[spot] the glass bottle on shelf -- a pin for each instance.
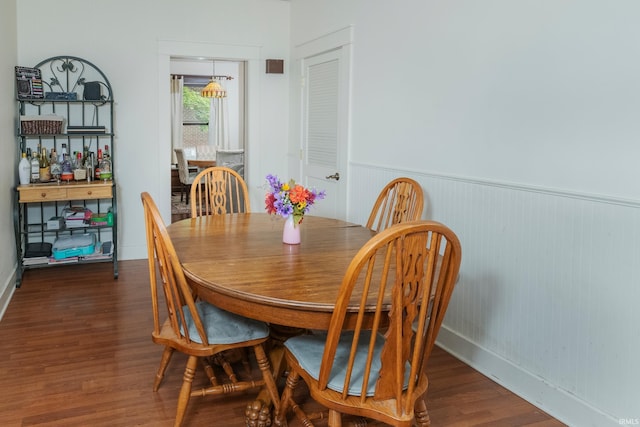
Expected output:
(89, 163)
(79, 172)
(24, 170)
(45, 168)
(62, 153)
(85, 162)
(98, 161)
(67, 172)
(54, 164)
(105, 166)
(35, 167)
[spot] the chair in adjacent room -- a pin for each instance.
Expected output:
(232, 159)
(219, 190)
(205, 152)
(399, 285)
(186, 177)
(196, 328)
(399, 201)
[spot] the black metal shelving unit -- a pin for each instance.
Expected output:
(79, 93)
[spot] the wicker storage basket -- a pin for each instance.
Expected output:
(41, 125)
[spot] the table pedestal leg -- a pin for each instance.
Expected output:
(258, 412)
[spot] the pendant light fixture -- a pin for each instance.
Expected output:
(214, 89)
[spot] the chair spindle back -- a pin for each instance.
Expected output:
(416, 264)
(178, 295)
(217, 191)
(401, 200)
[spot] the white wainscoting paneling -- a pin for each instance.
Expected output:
(548, 299)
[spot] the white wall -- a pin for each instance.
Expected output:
(126, 44)
(9, 159)
(519, 119)
(549, 86)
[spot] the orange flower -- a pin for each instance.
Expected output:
(298, 194)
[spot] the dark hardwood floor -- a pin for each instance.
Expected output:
(75, 350)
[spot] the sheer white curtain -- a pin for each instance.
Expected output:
(219, 132)
(177, 83)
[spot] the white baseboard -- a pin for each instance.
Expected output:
(6, 292)
(560, 404)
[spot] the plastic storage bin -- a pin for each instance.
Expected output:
(74, 245)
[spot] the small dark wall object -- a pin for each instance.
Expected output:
(275, 66)
(92, 91)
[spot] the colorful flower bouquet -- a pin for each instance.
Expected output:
(290, 199)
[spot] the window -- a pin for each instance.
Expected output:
(201, 116)
(196, 112)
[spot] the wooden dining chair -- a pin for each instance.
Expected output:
(399, 284)
(399, 201)
(219, 190)
(196, 328)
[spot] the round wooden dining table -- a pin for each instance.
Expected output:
(239, 263)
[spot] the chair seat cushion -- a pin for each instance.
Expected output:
(223, 327)
(308, 350)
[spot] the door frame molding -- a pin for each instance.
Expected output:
(251, 56)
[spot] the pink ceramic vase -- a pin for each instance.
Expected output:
(291, 232)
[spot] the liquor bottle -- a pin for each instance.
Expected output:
(55, 165)
(24, 170)
(97, 168)
(79, 172)
(35, 167)
(62, 153)
(105, 166)
(67, 172)
(89, 164)
(85, 160)
(45, 168)
(106, 154)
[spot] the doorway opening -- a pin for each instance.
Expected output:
(204, 128)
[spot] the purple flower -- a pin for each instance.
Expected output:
(278, 198)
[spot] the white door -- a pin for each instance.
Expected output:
(325, 130)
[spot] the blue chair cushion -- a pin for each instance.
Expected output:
(223, 327)
(308, 350)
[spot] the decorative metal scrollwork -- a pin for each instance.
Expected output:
(70, 74)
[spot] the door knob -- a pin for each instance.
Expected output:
(335, 176)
